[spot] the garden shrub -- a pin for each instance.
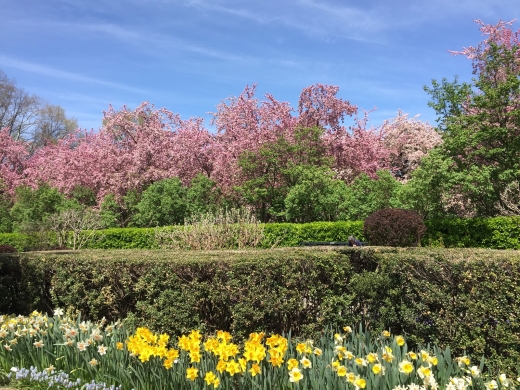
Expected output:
(7, 249)
(21, 241)
(394, 227)
(224, 229)
(493, 233)
(467, 299)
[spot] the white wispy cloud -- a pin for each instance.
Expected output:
(58, 73)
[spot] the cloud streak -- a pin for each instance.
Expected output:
(58, 73)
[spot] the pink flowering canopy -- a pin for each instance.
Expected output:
(135, 148)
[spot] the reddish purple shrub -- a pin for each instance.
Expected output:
(394, 227)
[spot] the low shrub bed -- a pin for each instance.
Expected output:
(466, 299)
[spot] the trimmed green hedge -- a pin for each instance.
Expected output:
(468, 299)
(20, 241)
(493, 233)
(291, 234)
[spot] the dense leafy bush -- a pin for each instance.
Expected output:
(33, 206)
(162, 204)
(316, 196)
(7, 249)
(496, 233)
(462, 298)
(21, 241)
(367, 195)
(394, 227)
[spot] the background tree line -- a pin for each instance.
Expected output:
(149, 167)
(28, 117)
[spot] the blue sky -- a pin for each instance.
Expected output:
(187, 56)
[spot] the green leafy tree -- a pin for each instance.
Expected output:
(33, 206)
(481, 121)
(6, 221)
(366, 195)
(118, 212)
(202, 196)
(163, 203)
(270, 172)
(316, 195)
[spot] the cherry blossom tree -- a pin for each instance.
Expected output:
(13, 159)
(133, 149)
(408, 140)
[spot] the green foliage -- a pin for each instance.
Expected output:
(496, 233)
(481, 121)
(6, 203)
(21, 241)
(119, 212)
(163, 203)
(366, 195)
(316, 196)
(270, 172)
(467, 300)
(85, 196)
(447, 99)
(123, 238)
(292, 234)
(32, 207)
(394, 227)
(202, 196)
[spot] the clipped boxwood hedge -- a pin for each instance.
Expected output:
(493, 233)
(468, 299)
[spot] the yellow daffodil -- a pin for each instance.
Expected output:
(221, 366)
(210, 377)
(341, 371)
(405, 367)
(372, 358)
(276, 361)
(292, 363)
(360, 383)
(300, 348)
(255, 370)
(233, 367)
(306, 363)
(378, 369)
(295, 375)
(192, 373)
(424, 371)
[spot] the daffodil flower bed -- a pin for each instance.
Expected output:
(63, 352)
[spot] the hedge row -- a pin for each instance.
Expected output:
(493, 233)
(276, 234)
(463, 298)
